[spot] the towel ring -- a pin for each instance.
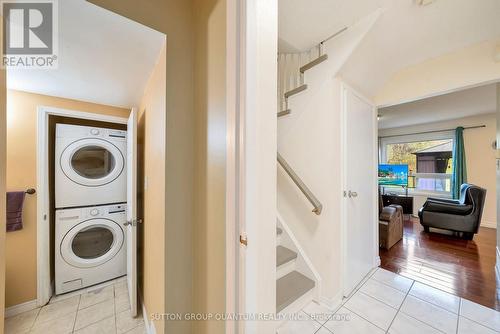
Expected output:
(30, 191)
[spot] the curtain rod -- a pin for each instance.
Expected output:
(433, 131)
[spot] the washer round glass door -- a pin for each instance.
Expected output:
(92, 243)
(92, 162)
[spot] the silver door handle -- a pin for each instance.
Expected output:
(353, 194)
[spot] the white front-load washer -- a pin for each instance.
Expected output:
(90, 246)
(90, 166)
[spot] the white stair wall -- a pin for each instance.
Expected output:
(309, 139)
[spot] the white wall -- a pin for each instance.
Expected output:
(479, 154)
(309, 139)
(474, 65)
(260, 162)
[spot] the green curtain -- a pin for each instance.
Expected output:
(459, 166)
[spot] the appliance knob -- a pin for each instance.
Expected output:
(94, 212)
(94, 132)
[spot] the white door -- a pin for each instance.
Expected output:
(360, 194)
(132, 210)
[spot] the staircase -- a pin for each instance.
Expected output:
(291, 281)
(302, 86)
(296, 279)
(295, 285)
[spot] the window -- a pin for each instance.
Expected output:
(429, 160)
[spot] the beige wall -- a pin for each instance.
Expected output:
(195, 155)
(3, 139)
(479, 153)
(210, 107)
(470, 66)
(152, 124)
(175, 19)
(21, 174)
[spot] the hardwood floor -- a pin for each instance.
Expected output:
(461, 267)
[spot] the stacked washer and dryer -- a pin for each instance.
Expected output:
(90, 201)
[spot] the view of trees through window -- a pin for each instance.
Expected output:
(424, 158)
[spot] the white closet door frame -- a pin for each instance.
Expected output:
(44, 285)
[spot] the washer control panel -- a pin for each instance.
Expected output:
(80, 214)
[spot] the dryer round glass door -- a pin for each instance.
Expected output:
(92, 243)
(92, 162)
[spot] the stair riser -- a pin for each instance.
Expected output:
(285, 269)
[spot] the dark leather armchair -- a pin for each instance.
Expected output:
(390, 224)
(462, 215)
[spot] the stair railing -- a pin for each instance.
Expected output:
(318, 207)
(302, 186)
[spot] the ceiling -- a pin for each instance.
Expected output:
(407, 34)
(404, 35)
(469, 102)
(103, 58)
(305, 23)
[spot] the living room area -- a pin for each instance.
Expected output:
(438, 191)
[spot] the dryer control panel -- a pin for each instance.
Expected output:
(73, 131)
(105, 211)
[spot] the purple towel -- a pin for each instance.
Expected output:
(15, 201)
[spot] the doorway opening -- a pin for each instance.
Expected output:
(110, 74)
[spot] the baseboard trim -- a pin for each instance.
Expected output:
(497, 266)
(148, 324)
(333, 303)
(488, 224)
(377, 261)
(20, 308)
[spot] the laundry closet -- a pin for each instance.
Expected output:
(88, 201)
(90, 197)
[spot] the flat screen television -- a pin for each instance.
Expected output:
(393, 175)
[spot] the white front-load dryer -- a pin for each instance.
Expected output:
(90, 246)
(90, 166)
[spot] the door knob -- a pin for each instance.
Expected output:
(353, 194)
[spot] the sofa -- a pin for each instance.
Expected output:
(462, 216)
(390, 225)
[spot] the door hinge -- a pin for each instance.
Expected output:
(133, 222)
(243, 239)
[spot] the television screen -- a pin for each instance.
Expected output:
(393, 175)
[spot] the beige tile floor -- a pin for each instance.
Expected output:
(104, 309)
(389, 303)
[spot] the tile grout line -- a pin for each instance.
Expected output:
(114, 308)
(438, 306)
(77, 310)
(426, 324)
(363, 318)
(384, 283)
(34, 320)
(342, 302)
(458, 318)
(474, 321)
(400, 306)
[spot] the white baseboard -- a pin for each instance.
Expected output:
(20, 308)
(148, 324)
(497, 266)
(377, 261)
(333, 303)
(489, 224)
